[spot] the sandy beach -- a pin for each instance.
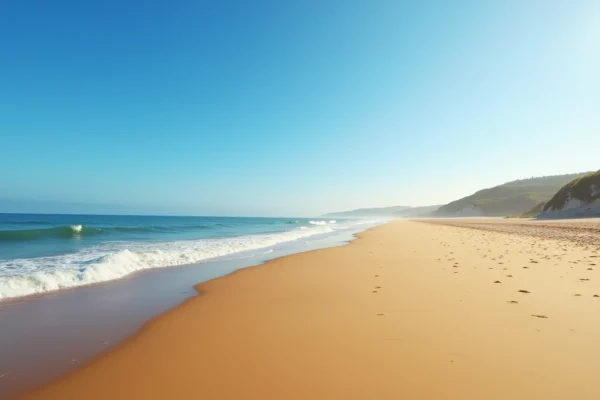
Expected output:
(452, 309)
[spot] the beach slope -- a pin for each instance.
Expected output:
(410, 310)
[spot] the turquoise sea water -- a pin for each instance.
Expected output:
(40, 253)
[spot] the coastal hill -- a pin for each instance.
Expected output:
(547, 196)
(535, 211)
(511, 198)
(578, 198)
(384, 212)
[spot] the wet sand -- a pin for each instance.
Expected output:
(46, 336)
(410, 310)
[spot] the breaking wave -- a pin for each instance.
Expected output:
(109, 261)
(57, 232)
(70, 231)
(321, 223)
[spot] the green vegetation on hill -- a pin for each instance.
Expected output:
(525, 198)
(511, 198)
(585, 189)
(534, 211)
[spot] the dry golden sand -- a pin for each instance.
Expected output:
(409, 311)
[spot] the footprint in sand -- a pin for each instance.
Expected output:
(538, 316)
(497, 282)
(524, 291)
(512, 302)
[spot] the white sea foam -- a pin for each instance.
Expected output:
(111, 261)
(76, 228)
(321, 223)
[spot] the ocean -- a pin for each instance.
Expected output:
(43, 253)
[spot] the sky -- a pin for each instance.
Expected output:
(290, 108)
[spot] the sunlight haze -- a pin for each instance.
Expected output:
(319, 107)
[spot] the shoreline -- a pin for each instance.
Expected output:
(103, 315)
(81, 261)
(200, 290)
(304, 326)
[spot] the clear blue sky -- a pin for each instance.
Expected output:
(292, 108)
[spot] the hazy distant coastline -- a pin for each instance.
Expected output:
(556, 196)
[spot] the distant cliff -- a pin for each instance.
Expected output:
(511, 198)
(578, 198)
(552, 196)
